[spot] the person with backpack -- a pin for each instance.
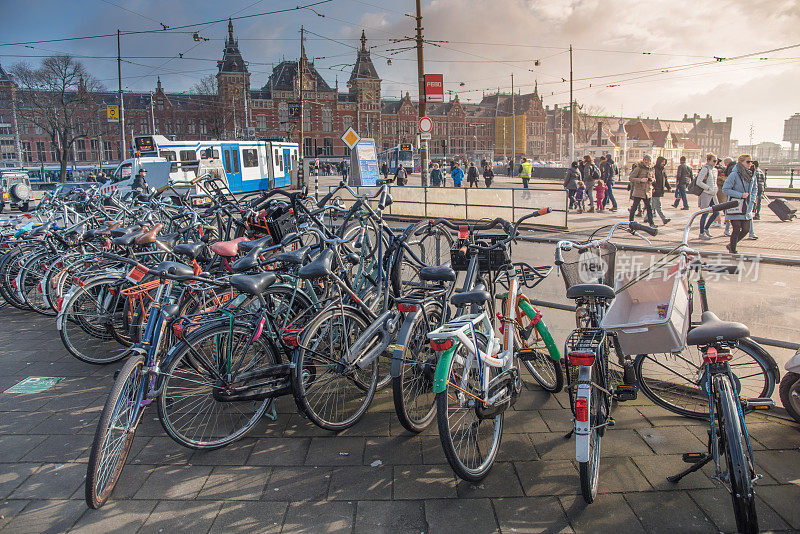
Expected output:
(571, 184)
(400, 176)
(609, 171)
(457, 174)
(589, 174)
(682, 181)
(706, 182)
(641, 179)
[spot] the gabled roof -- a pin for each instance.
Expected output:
(3, 76)
(284, 74)
(232, 60)
(638, 131)
(688, 144)
(659, 138)
(363, 69)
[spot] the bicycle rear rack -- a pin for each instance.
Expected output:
(583, 346)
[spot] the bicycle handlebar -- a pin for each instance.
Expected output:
(638, 227)
(716, 208)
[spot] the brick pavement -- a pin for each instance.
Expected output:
(288, 475)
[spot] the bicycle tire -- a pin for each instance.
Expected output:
(677, 388)
(31, 280)
(482, 464)
(589, 472)
(412, 391)
(189, 395)
(740, 465)
(125, 395)
(8, 274)
(321, 347)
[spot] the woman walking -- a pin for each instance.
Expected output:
(740, 185)
(488, 175)
(571, 184)
(707, 181)
(660, 185)
(641, 179)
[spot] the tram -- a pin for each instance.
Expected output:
(402, 154)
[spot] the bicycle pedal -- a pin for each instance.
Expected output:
(625, 393)
(693, 457)
(611, 421)
(762, 403)
(526, 355)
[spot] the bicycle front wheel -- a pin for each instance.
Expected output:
(737, 453)
(470, 442)
(115, 431)
(672, 381)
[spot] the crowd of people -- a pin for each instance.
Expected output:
(589, 186)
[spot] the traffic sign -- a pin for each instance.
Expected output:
(425, 136)
(425, 124)
(350, 138)
(112, 113)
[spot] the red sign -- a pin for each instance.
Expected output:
(434, 87)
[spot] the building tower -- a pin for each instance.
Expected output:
(365, 87)
(233, 87)
(622, 142)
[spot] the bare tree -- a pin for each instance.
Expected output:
(57, 97)
(206, 98)
(585, 121)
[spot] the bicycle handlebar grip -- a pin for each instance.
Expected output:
(195, 180)
(724, 206)
(543, 211)
(162, 189)
(636, 227)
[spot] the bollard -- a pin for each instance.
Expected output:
(791, 179)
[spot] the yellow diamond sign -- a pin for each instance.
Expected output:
(350, 138)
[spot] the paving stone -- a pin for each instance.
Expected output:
(535, 398)
(608, 513)
(192, 517)
(129, 483)
(460, 515)
(390, 517)
(627, 416)
(279, 451)
(548, 477)
(297, 484)
(531, 515)
(10, 509)
(12, 447)
(12, 475)
(262, 517)
(659, 417)
(163, 450)
(772, 436)
(424, 482)
(553, 445)
(335, 451)
(657, 468)
(717, 505)
(52, 481)
(618, 474)
(517, 421)
(46, 516)
(330, 517)
(501, 481)
(557, 420)
(371, 424)
(20, 422)
(783, 466)
(79, 421)
(516, 448)
(682, 513)
(237, 483)
(298, 425)
(432, 452)
(672, 440)
(361, 482)
(782, 499)
(234, 454)
(266, 427)
(174, 482)
(623, 442)
(114, 516)
(59, 449)
(393, 450)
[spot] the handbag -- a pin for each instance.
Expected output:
(741, 203)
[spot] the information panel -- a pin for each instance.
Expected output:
(364, 163)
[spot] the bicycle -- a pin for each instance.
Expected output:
(477, 378)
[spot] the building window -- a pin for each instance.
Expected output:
(308, 149)
(27, 156)
(108, 152)
(347, 122)
(261, 123)
(283, 113)
(93, 146)
(40, 152)
(81, 149)
(327, 147)
(306, 119)
(327, 119)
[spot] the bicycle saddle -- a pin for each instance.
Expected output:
(95, 233)
(260, 244)
(190, 250)
(438, 273)
(598, 291)
(119, 232)
(295, 257)
(43, 229)
(252, 284)
(246, 262)
(228, 249)
(114, 224)
(713, 329)
(149, 236)
(126, 240)
(173, 269)
(476, 296)
(321, 266)
(169, 240)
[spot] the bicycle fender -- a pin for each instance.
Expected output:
(541, 327)
(768, 359)
(442, 368)
(402, 341)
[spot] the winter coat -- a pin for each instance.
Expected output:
(735, 186)
(707, 179)
(571, 180)
(641, 178)
(609, 171)
(590, 173)
(684, 176)
(458, 175)
(472, 174)
(436, 177)
(661, 183)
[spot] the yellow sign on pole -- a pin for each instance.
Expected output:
(112, 113)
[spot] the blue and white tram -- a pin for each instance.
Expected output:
(394, 157)
(249, 165)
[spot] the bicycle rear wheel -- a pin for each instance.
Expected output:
(672, 381)
(600, 405)
(470, 442)
(115, 432)
(737, 453)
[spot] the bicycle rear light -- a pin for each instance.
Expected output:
(582, 409)
(712, 355)
(441, 345)
(581, 358)
(407, 308)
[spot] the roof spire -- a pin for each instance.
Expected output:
(536, 87)
(230, 29)
(158, 84)
(363, 41)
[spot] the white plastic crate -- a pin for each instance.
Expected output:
(652, 315)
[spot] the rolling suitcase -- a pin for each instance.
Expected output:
(782, 209)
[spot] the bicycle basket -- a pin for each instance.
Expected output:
(279, 222)
(488, 260)
(590, 266)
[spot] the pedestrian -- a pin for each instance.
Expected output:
(511, 167)
(660, 185)
(571, 184)
(525, 172)
(740, 185)
(385, 170)
(600, 188)
(400, 176)
(140, 182)
(436, 176)
(707, 181)
(682, 181)
(488, 175)
(472, 175)
(641, 179)
(609, 171)
(589, 174)
(726, 167)
(761, 183)
(457, 174)
(346, 171)
(580, 196)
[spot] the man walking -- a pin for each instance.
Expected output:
(457, 174)
(609, 171)
(590, 173)
(682, 181)
(525, 172)
(660, 185)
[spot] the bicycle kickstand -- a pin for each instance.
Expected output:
(569, 434)
(698, 461)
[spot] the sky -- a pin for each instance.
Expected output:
(649, 58)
